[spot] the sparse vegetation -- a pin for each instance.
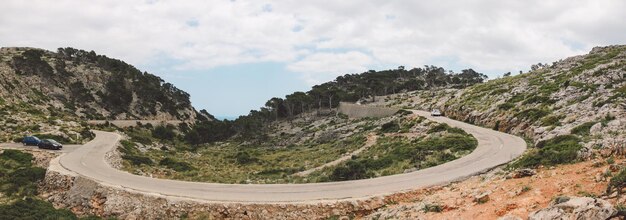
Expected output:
(558, 150)
(583, 129)
(393, 155)
(18, 189)
(617, 183)
(432, 208)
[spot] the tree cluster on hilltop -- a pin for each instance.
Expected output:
(346, 88)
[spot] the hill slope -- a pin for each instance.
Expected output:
(49, 92)
(582, 95)
(88, 85)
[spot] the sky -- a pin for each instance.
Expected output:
(233, 55)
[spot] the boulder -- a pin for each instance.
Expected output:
(510, 217)
(596, 128)
(575, 208)
(524, 173)
(482, 198)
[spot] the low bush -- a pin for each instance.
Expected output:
(539, 99)
(403, 112)
(438, 128)
(558, 150)
(138, 160)
(617, 183)
(506, 106)
(23, 181)
(583, 129)
(551, 120)
(243, 157)
(164, 133)
(532, 114)
(22, 158)
(18, 182)
(353, 170)
(390, 127)
(31, 208)
(432, 208)
(394, 151)
(87, 134)
(176, 165)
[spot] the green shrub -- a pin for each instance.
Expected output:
(611, 160)
(403, 112)
(30, 208)
(618, 182)
(164, 133)
(583, 129)
(390, 127)
(352, 171)
(538, 99)
(560, 199)
(87, 134)
(456, 142)
(23, 181)
(176, 165)
(532, 114)
(438, 128)
(551, 120)
(128, 147)
(138, 160)
(558, 150)
(432, 208)
(243, 157)
(506, 106)
(22, 158)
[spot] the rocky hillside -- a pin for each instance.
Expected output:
(87, 85)
(44, 92)
(582, 95)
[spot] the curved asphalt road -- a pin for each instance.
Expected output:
(494, 148)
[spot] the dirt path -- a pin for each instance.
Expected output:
(371, 140)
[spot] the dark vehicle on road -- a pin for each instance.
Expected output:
(31, 140)
(49, 144)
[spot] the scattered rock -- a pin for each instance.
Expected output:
(482, 198)
(510, 217)
(615, 167)
(596, 129)
(575, 208)
(524, 173)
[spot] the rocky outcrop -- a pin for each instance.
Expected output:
(575, 208)
(583, 94)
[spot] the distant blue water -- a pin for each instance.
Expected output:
(230, 118)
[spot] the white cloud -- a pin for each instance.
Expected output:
(488, 35)
(321, 67)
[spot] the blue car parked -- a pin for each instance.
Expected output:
(31, 140)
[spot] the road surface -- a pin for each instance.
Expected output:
(494, 148)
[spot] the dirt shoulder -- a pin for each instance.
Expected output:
(501, 194)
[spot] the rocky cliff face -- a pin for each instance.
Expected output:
(44, 92)
(584, 95)
(86, 85)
